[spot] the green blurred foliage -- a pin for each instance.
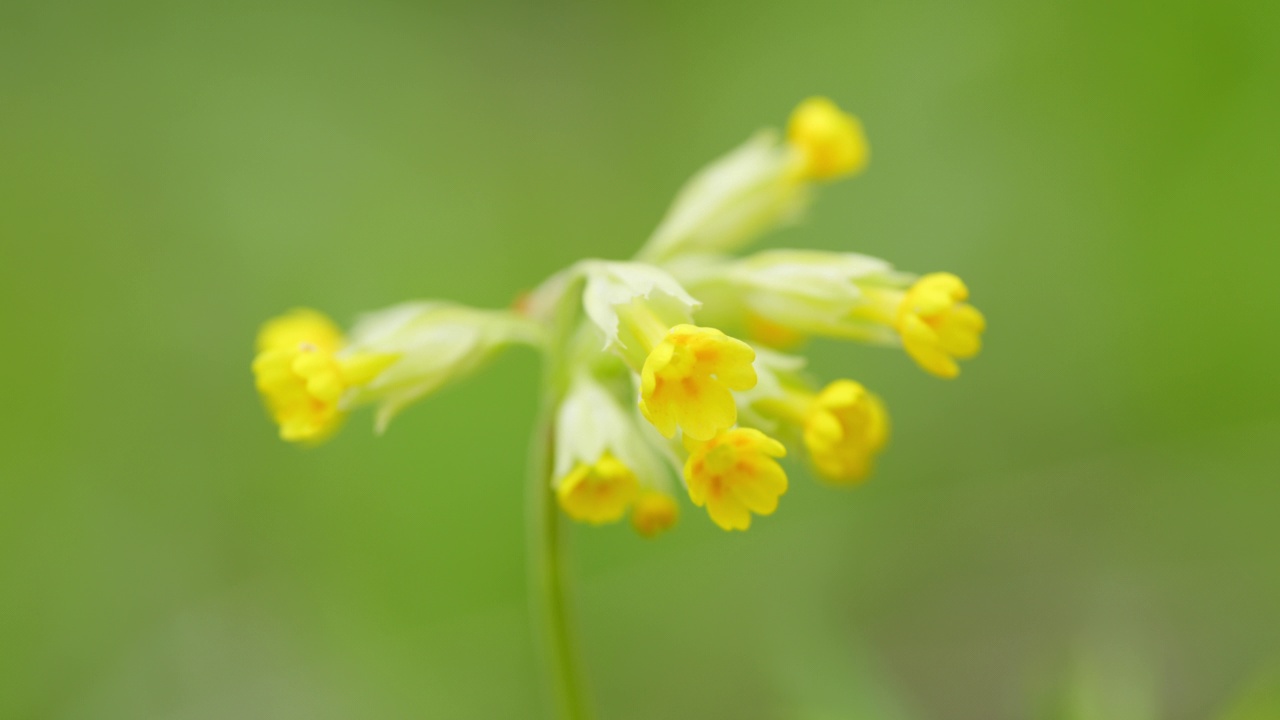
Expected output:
(1109, 676)
(1259, 699)
(171, 173)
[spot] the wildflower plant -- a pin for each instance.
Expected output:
(666, 375)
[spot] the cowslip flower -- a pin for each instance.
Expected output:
(937, 325)
(842, 427)
(310, 375)
(604, 467)
(842, 295)
(687, 373)
(734, 474)
(303, 373)
(845, 427)
(764, 184)
(660, 369)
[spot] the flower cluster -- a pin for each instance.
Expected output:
(672, 365)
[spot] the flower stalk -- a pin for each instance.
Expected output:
(550, 609)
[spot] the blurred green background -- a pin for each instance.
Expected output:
(1084, 525)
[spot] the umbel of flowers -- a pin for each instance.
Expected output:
(667, 370)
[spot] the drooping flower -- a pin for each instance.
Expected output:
(843, 295)
(604, 464)
(938, 326)
(845, 428)
(764, 184)
(686, 372)
(302, 376)
(687, 379)
(734, 475)
(309, 375)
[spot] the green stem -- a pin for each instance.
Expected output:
(548, 579)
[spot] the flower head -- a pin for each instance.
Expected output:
(937, 325)
(845, 427)
(832, 140)
(645, 375)
(735, 474)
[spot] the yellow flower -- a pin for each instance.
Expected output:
(686, 371)
(842, 295)
(653, 513)
(831, 140)
(598, 493)
(845, 427)
(302, 379)
(734, 475)
(847, 296)
(937, 326)
(687, 378)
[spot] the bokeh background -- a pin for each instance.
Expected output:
(1084, 525)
